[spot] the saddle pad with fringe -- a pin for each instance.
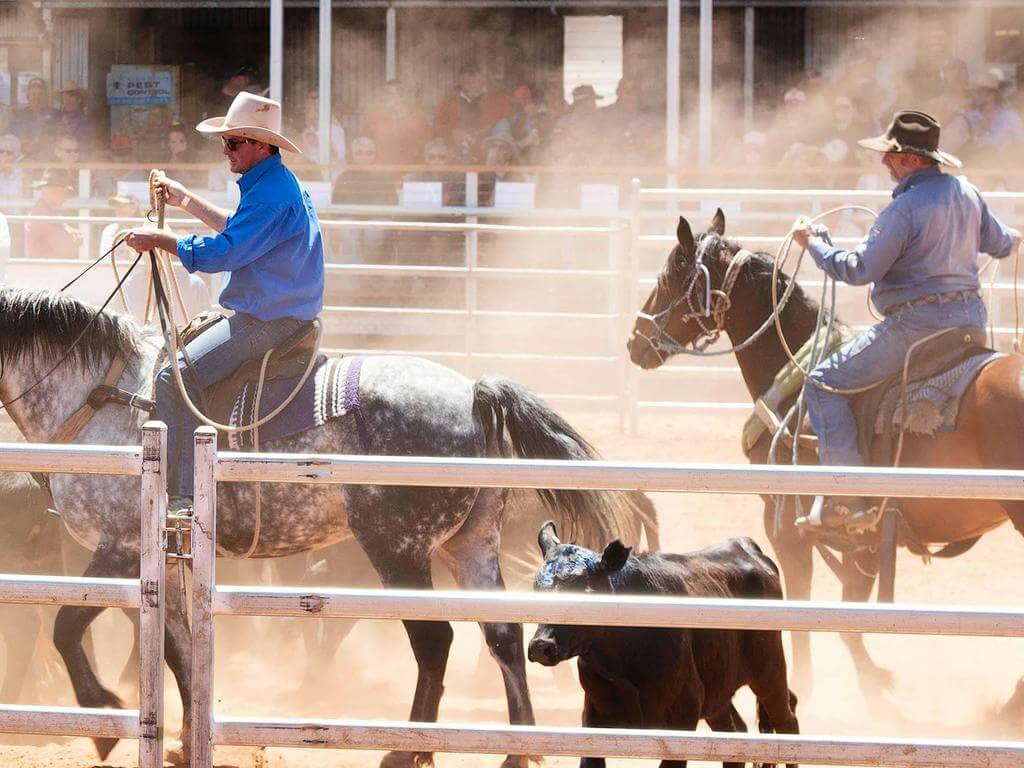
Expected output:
(330, 393)
(932, 404)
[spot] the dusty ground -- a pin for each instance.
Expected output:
(944, 687)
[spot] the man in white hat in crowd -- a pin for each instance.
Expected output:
(922, 258)
(271, 250)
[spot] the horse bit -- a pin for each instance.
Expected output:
(711, 303)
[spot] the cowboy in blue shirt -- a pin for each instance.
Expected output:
(922, 258)
(271, 252)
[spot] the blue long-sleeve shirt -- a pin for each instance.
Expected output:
(925, 242)
(271, 248)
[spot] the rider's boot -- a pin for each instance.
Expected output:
(181, 505)
(853, 513)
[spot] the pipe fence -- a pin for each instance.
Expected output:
(210, 600)
(145, 594)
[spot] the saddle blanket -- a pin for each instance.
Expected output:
(329, 393)
(932, 404)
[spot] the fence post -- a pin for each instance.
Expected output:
(152, 605)
(632, 280)
(620, 307)
(204, 553)
(472, 262)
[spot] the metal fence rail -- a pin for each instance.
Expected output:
(209, 600)
(144, 594)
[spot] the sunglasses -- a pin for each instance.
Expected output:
(6, 151)
(233, 144)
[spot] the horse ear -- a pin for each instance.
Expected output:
(615, 556)
(547, 539)
(685, 237)
(718, 223)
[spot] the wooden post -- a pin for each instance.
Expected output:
(204, 553)
(151, 604)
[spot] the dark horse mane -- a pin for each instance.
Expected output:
(45, 323)
(759, 268)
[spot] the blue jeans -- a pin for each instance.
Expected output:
(876, 353)
(215, 354)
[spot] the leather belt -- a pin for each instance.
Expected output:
(935, 298)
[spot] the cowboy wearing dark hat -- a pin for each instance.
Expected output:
(922, 258)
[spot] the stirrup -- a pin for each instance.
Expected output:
(180, 505)
(813, 518)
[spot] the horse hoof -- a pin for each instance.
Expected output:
(104, 747)
(177, 755)
(407, 760)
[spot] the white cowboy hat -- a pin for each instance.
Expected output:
(251, 117)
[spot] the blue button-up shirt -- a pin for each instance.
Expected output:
(925, 242)
(271, 248)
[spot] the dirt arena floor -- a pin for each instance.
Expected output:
(944, 687)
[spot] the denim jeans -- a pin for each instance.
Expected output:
(215, 354)
(876, 353)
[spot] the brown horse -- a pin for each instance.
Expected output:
(676, 316)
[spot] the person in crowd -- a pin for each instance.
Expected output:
(272, 251)
(67, 150)
(522, 125)
(397, 127)
(34, 123)
(221, 97)
(468, 115)
(11, 181)
(994, 125)
(369, 186)
(125, 207)
(73, 119)
(501, 150)
(178, 152)
(122, 150)
(956, 83)
(551, 107)
(792, 125)
(922, 259)
(365, 185)
(309, 135)
(52, 239)
(453, 184)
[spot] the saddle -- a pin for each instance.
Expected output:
(940, 371)
(288, 361)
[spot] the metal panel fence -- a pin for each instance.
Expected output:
(145, 594)
(210, 600)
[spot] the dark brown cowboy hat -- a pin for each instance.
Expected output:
(55, 177)
(914, 132)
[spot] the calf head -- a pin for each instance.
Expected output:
(571, 568)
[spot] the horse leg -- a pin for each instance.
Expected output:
(861, 570)
(795, 553)
(20, 642)
(727, 721)
(1012, 712)
(178, 655)
(472, 556)
(430, 640)
(70, 627)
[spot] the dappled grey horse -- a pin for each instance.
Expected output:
(409, 406)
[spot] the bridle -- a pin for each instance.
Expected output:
(705, 305)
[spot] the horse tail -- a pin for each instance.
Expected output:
(513, 417)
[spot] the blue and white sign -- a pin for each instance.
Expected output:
(128, 86)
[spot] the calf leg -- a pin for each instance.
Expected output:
(727, 721)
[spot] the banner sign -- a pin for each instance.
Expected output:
(127, 86)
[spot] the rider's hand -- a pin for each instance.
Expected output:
(173, 192)
(146, 239)
(803, 232)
